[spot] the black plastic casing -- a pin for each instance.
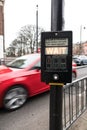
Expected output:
(48, 71)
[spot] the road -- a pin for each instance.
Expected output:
(29, 117)
(81, 72)
(34, 115)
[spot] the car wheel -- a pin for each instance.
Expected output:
(15, 97)
(73, 76)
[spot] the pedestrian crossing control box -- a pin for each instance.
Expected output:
(56, 57)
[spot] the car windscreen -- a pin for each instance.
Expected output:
(23, 61)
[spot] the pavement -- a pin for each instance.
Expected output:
(81, 123)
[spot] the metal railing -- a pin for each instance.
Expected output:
(74, 101)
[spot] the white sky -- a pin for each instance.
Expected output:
(19, 13)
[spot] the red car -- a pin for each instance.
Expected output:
(21, 79)
(74, 72)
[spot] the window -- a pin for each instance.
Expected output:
(36, 66)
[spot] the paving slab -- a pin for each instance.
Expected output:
(81, 123)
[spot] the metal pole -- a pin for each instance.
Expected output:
(56, 15)
(36, 28)
(80, 39)
(81, 29)
(56, 91)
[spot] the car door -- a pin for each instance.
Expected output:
(34, 80)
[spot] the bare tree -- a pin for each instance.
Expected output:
(28, 33)
(26, 40)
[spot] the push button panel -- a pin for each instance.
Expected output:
(56, 63)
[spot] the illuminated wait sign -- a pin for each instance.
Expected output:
(56, 50)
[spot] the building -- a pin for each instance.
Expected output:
(80, 48)
(84, 48)
(76, 49)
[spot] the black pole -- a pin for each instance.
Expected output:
(56, 91)
(56, 107)
(56, 15)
